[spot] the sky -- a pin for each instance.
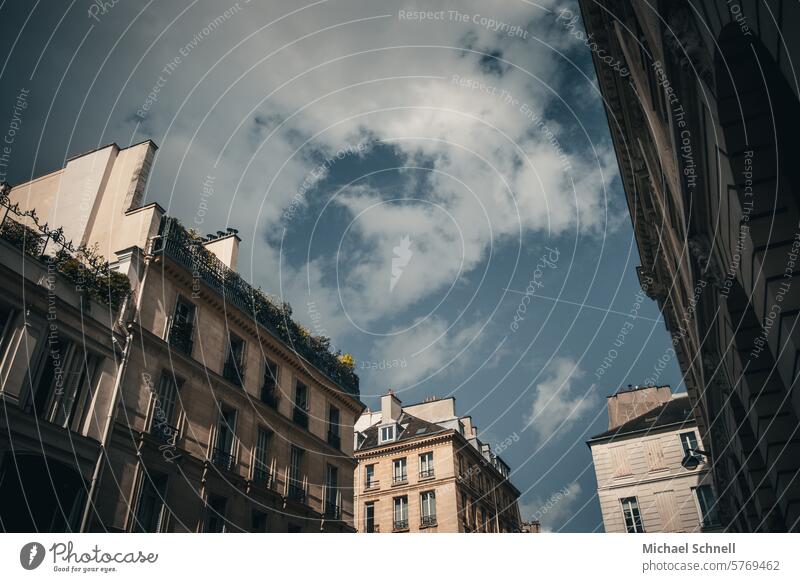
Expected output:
(430, 184)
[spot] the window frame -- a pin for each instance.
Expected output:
(632, 503)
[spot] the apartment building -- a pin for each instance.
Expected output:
(201, 405)
(652, 475)
(704, 112)
(422, 468)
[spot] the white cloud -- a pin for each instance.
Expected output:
(560, 399)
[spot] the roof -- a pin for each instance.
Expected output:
(412, 428)
(677, 411)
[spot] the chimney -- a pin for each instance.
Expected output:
(635, 401)
(390, 407)
(225, 245)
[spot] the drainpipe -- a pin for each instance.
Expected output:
(112, 411)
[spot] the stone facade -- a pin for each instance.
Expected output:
(704, 118)
(429, 473)
(219, 424)
(638, 467)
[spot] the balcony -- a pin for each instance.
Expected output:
(164, 433)
(372, 484)
(428, 521)
(400, 525)
(332, 511)
(296, 493)
(426, 474)
(269, 395)
(300, 417)
(175, 242)
(400, 479)
(180, 337)
(262, 476)
(233, 371)
(223, 460)
(334, 439)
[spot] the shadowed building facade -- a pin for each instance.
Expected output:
(422, 468)
(704, 119)
(193, 404)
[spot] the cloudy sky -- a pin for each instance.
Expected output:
(400, 180)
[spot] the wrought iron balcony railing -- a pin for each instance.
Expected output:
(400, 524)
(223, 459)
(428, 520)
(233, 371)
(180, 337)
(297, 493)
(426, 473)
(165, 433)
(262, 476)
(334, 439)
(300, 417)
(399, 479)
(372, 484)
(269, 395)
(174, 241)
(332, 511)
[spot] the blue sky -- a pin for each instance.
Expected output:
(397, 180)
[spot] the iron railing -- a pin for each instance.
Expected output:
(332, 511)
(297, 493)
(176, 242)
(180, 337)
(334, 439)
(426, 473)
(269, 395)
(300, 416)
(233, 371)
(400, 524)
(223, 459)
(428, 520)
(89, 272)
(262, 476)
(165, 433)
(399, 479)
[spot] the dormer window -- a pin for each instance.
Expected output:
(387, 433)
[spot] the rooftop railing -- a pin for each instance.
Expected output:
(188, 251)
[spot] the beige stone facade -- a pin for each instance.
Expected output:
(225, 417)
(422, 468)
(642, 485)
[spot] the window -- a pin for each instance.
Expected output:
(233, 369)
(332, 494)
(370, 477)
(226, 433)
(630, 511)
(399, 471)
(369, 518)
(401, 513)
(181, 330)
(215, 514)
(387, 433)
(296, 489)
(707, 505)
(150, 512)
(163, 427)
(269, 389)
(428, 505)
(426, 465)
(333, 427)
(300, 415)
(65, 387)
(261, 461)
(259, 522)
(689, 443)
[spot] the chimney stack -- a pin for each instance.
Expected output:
(635, 401)
(390, 407)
